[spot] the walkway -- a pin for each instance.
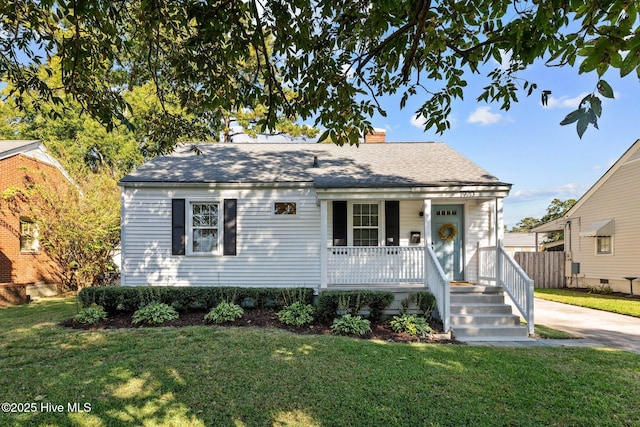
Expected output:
(596, 328)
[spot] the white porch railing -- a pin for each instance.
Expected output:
(497, 267)
(374, 265)
(438, 284)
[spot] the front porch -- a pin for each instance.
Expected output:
(470, 310)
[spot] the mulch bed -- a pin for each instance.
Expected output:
(264, 318)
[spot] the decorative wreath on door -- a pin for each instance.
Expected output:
(448, 232)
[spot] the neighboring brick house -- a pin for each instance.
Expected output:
(21, 259)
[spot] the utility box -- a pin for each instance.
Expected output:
(575, 268)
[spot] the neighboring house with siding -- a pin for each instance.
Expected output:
(602, 230)
(22, 261)
(381, 215)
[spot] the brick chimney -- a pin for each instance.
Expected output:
(376, 137)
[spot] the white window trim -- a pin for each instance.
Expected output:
(189, 228)
(602, 253)
(381, 220)
(283, 216)
(36, 241)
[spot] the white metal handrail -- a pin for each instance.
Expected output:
(439, 285)
(497, 267)
(375, 264)
(518, 285)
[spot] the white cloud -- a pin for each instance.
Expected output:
(484, 116)
(604, 166)
(566, 191)
(565, 101)
(418, 121)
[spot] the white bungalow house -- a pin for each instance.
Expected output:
(602, 230)
(390, 215)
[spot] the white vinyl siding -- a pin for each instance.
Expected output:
(271, 250)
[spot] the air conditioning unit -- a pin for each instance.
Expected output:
(568, 256)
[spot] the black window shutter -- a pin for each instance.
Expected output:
(178, 236)
(392, 222)
(339, 223)
(230, 226)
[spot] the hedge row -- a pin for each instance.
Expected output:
(130, 298)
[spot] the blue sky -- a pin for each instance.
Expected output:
(526, 146)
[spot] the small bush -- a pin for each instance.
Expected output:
(224, 312)
(426, 302)
(154, 314)
(91, 315)
(603, 289)
(411, 324)
(296, 314)
(350, 325)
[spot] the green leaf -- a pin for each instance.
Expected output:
(627, 65)
(572, 117)
(582, 125)
(596, 105)
(604, 89)
(323, 136)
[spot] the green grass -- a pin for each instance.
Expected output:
(614, 304)
(552, 334)
(217, 376)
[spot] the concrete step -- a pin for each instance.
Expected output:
(489, 298)
(480, 308)
(485, 319)
(489, 333)
(475, 289)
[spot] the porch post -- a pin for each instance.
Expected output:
(426, 215)
(426, 211)
(324, 229)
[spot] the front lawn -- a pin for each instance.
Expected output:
(612, 303)
(219, 376)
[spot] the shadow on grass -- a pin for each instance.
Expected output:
(207, 375)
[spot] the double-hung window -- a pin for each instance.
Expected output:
(205, 227)
(366, 228)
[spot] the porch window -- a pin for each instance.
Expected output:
(28, 235)
(365, 224)
(205, 219)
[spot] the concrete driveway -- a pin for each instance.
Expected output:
(608, 329)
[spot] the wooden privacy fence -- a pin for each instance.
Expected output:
(545, 268)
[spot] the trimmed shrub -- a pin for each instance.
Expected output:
(90, 315)
(352, 302)
(154, 314)
(411, 324)
(183, 298)
(224, 312)
(350, 325)
(296, 314)
(426, 302)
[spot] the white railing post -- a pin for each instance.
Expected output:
(499, 271)
(324, 229)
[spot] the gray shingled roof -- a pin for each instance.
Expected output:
(369, 165)
(12, 147)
